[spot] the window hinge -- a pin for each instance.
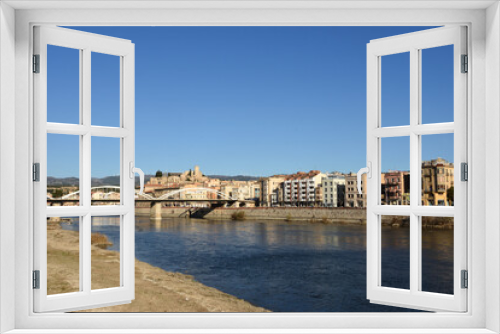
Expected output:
(36, 279)
(36, 172)
(465, 64)
(465, 279)
(464, 173)
(36, 63)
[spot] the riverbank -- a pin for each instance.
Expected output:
(356, 216)
(156, 290)
(346, 215)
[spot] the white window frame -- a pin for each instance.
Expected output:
(483, 21)
(414, 44)
(86, 44)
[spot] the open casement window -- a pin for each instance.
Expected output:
(420, 194)
(80, 130)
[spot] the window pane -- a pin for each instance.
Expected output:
(63, 255)
(63, 170)
(105, 240)
(437, 254)
(396, 252)
(63, 85)
(105, 90)
(437, 170)
(395, 91)
(437, 84)
(106, 171)
(395, 176)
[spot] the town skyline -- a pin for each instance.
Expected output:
(312, 188)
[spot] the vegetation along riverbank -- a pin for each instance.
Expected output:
(156, 290)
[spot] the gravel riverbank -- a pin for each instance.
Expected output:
(156, 290)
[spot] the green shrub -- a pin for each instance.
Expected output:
(238, 215)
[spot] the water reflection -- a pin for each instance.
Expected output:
(282, 266)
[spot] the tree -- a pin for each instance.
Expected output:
(159, 173)
(58, 193)
(450, 194)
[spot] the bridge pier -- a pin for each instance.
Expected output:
(155, 212)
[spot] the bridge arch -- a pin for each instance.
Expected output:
(213, 191)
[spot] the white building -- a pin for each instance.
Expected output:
(300, 189)
(333, 186)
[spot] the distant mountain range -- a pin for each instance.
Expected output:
(96, 182)
(115, 180)
(60, 182)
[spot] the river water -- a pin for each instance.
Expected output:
(288, 266)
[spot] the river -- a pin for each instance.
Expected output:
(287, 266)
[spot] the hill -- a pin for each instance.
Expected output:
(115, 180)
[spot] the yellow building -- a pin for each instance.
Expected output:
(352, 198)
(437, 178)
(271, 189)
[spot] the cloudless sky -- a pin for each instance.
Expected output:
(249, 100)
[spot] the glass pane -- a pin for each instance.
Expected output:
(437, 254)
(63, 85)
(63, 255)
(63, 170)
(395, 176)
(105, 240)
(396, 252)
(105, 90)
(437, 84)
(395, 90)
(105, 171)
(438, 170)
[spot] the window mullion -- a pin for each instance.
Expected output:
(415, 267)
(85, 168)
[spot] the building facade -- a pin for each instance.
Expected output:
(333, 189)
(395, 189)
(352, 198)
(271, 190)
(303, 189)
(437, 182)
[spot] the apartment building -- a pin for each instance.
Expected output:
(271, 190)
(437, 179)
(395, 189)
(333, 189)
(241, 190)
(352, 199)
(255, 190)
(301, 189)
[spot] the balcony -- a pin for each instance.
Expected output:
(441, 189)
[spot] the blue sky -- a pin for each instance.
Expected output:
(248, 100)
